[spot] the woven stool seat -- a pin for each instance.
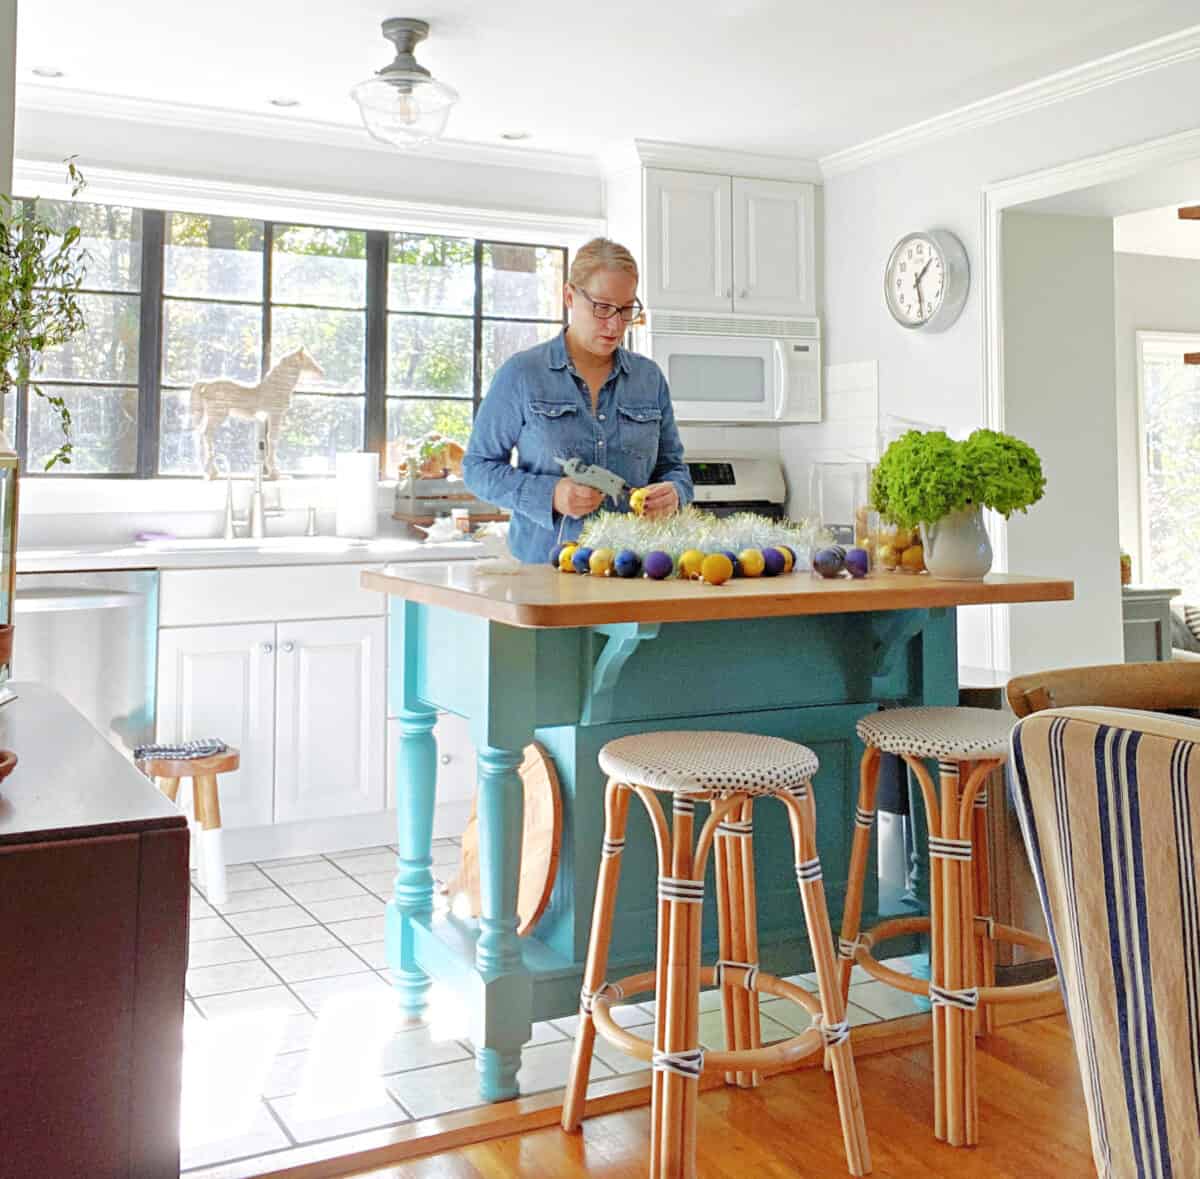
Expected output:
(948, 734)
(709, 762)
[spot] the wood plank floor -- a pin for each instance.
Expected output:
(1033, 1125)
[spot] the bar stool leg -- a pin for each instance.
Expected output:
(722, 850)
(169, 787)
(868, 785)
(750, 930)
(742, 943)
(616, 809)
(986, 1015)
(208, 812)
(802, 817)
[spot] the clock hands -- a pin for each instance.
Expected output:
(917, 284)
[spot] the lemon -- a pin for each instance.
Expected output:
(904, 538)
(913, 559)
(637, 500)
(600, 563)
(889, 556)
(716, 568)
(690, 563)
(752, 562)
(565, 558)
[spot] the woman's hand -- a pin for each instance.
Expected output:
(575, 499)
(662, 499)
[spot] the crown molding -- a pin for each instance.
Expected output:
(289, 128)
(1174, 49)
(46, 178)
(655, 153)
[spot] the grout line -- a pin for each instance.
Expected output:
(278, 1121)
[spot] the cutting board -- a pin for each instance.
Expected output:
(539, 846)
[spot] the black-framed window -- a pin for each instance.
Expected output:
(408, 328)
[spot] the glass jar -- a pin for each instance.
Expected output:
(839, 495)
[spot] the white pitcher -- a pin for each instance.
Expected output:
(957, 546)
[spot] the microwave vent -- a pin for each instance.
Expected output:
(734, 325)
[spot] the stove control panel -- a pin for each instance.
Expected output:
(711, 474)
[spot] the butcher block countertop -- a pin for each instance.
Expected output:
(539, 596)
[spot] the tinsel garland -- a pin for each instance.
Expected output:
(690, 528)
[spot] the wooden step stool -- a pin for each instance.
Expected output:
(203, 771)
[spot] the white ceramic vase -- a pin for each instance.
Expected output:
(957, 546)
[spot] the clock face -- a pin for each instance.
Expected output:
(925, 281)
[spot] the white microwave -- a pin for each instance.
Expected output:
(736, 368)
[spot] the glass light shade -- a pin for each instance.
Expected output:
(404, 107)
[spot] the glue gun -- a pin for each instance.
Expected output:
(594, 475)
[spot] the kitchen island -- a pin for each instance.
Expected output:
(575, 662)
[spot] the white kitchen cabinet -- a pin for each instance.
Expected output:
(219, 681)
(330, 718)
(773, 248)
(719, 243)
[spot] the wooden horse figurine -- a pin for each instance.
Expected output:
(213, 401)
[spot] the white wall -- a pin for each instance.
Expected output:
(1152, 294)
(1059, 386)
(939, 378)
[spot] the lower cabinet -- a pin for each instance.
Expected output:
(304, 701)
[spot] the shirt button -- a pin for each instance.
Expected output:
(601, 442)
(602, 417)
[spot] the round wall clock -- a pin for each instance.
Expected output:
(926, 280)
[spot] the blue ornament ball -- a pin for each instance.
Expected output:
(829, 562)
(627, 563)
(658, 565)
(555, 553)
(858, 563)
(773, 562)
(581, 558)
(737, 565)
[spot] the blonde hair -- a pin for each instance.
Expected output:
(600, 254)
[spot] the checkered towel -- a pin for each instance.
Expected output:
(181, 750)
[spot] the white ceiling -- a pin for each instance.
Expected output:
(799, 79)
(1157, 231)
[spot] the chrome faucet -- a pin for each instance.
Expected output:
(257, 515)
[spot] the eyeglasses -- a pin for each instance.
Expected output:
(608, 310)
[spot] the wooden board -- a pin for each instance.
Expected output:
(538, 596)
(539, 847)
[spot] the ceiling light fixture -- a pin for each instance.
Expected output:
(284, 102)
(47, 72)
(403, 104)
(514, 136)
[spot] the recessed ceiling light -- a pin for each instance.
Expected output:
(47, 72)
(514, 136)
(285, 101)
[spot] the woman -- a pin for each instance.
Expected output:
(580, 395)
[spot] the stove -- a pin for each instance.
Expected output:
(729, 483)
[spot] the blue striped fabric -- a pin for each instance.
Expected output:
(1109, 810)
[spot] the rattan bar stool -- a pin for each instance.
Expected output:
(726, 770)
(967, 744)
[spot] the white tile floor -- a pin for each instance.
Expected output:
(290, 1031)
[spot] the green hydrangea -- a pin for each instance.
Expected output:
(925, 476)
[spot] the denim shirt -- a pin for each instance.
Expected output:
(540, 404)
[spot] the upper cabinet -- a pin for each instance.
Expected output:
(722, 243)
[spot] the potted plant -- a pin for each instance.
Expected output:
(928, 480)
(41, 273)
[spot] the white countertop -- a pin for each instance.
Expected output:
(219, 553)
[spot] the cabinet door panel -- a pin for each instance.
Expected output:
(688, 241)
(773, 243)
(329, 752)
(219, 681)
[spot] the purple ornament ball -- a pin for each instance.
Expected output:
(658, 565)
(829, 562)
(627, 563)
(737, 565)
(773, 562)
(858, 563)
(581, 558)
(555, 553)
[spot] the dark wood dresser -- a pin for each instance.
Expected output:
(93, 952)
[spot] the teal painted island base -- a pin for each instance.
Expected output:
(503, 652)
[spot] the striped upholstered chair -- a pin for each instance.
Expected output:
(1109, 804)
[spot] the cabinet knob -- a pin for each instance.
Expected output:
(267, 648)
(444, 759)
(289, 647)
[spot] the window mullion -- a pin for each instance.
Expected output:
(477, 334)
(268, 254)
(150, 343)
(375, 426)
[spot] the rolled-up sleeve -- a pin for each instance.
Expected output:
(670, 467)
(487, 466)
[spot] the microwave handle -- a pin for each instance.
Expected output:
(781, 390)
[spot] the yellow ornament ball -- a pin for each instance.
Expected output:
(600, 562)
(637, 500)
(889, 556)
(789, 558)
(752, 562)
(565, 557)
(690, 563)
(716, 568)
(912, 560)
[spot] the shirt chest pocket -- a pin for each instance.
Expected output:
(638, 429)
(555, 428)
